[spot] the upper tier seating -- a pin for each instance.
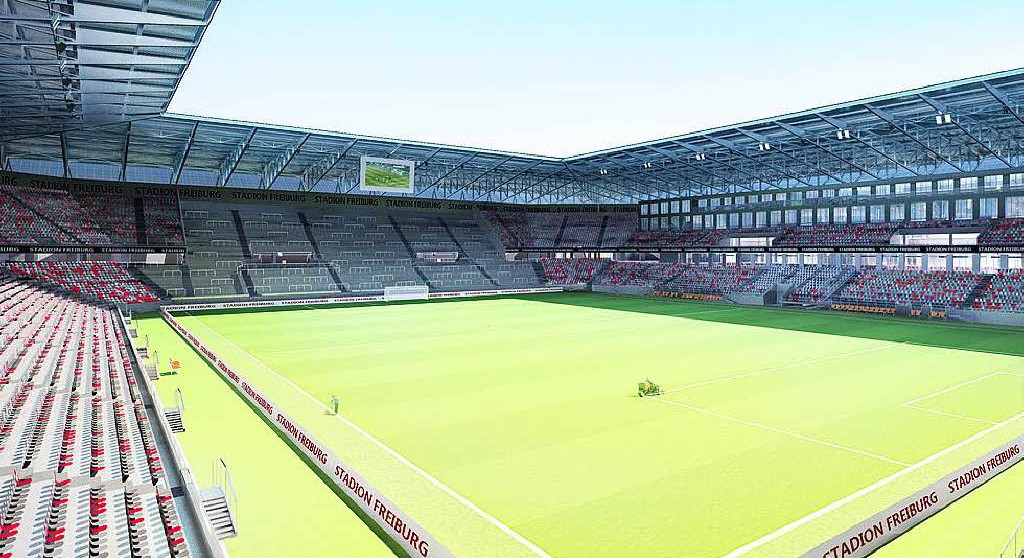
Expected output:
(570, 271)
(80, 471)
(910, 287)
(548, 229)
(868, 234)
(214, 250)
(523, 229)
(34, 216)
(1003, 232)
(107, 281)
(671, 238)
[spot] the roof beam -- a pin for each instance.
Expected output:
(1004, 100)
(732, 147)
(314, 174)
(839, 125)
(457, 166)
(479, 176)
(124, 152)
(514, 176)
(891, 120)
(180, 164)
(230, 164)
(735, 183)
(778, 149)
(815, 142)
(276, 167)
(955, 118)
(683, 161)
(64, 155)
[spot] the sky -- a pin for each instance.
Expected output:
(564, 77)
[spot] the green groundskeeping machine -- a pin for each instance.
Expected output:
(647, 388)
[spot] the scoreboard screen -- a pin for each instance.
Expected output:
(387, 175)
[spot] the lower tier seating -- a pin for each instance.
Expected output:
(910, 287)
(80, 471)
(571, 271)
(106, 281)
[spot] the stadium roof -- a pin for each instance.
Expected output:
(72, 64)
(94, 108)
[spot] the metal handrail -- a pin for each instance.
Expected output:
(222, 479)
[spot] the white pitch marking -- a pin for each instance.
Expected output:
(402, 459)
(779, 368)
(953, 388)
(945, 414)
(790, 433)
(745, 549)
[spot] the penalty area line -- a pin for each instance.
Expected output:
(778, 533)
(511, 533)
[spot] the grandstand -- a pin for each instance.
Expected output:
(829, 303)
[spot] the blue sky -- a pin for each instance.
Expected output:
(561, 77)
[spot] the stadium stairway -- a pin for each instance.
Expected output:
(978, 291)
(145, 280)
(140, 222)
(215, 504)
(186, 281)
(319, 255)
(604, 227)
(408, 248)
(538, 268)
(504, 225)
(464, 254)
(250, 288)
(561, 231)
(488, 229)
(834, 287)
(242, 239)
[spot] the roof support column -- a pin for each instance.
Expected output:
(64, 155)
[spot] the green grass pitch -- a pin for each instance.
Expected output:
(526, 407)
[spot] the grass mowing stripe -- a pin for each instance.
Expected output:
(783, 431)
(399, 457)
(777, 368)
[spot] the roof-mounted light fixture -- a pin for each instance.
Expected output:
(602, 171)
(701, 156)
(647, 164)
(843, 134)
(764, 146)
(943, 118)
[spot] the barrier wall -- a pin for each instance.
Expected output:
(400, 527)
(870, 535)
(211, 545)
(345, 300)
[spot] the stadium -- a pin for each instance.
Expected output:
(793, 337)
